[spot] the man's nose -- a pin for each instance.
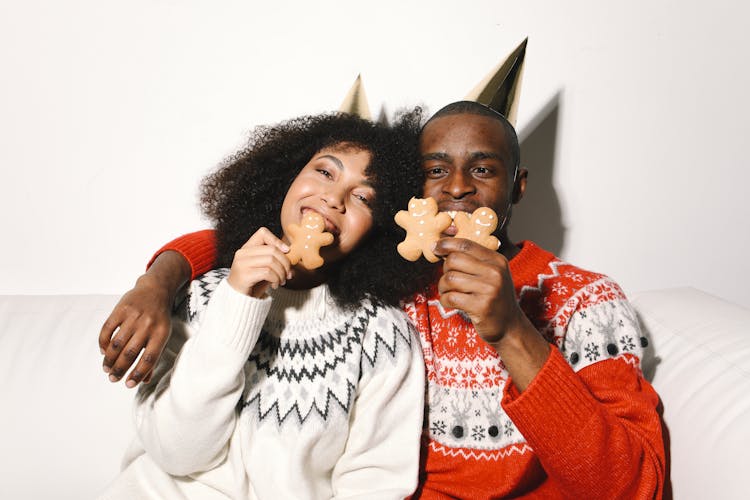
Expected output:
(458, 185)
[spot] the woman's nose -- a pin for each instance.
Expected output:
(334, 198)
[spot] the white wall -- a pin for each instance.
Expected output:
(633, 117)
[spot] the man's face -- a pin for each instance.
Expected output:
(467, 164)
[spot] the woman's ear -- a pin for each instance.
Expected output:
(519, 187)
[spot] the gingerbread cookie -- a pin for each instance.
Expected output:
(423, 226)
(306, 240)
(478, 227)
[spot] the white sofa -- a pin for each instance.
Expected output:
(64, 426)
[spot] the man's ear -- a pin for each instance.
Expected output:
(519, 188)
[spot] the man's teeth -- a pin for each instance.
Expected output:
(453, 213)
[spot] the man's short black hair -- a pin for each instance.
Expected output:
(474, 108)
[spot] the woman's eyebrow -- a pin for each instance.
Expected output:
(340, 166)
(335, 161)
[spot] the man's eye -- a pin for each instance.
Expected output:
(482, 170)
(434, 171)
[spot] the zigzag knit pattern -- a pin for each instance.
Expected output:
(299, 371)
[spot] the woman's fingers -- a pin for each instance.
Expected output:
(264, 265)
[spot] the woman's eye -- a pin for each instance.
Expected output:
(364, 199)
(324, 172)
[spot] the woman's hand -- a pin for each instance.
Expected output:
(260, 263)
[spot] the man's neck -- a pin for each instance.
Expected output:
(507, 247)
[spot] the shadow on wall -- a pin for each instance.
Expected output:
(538, 216)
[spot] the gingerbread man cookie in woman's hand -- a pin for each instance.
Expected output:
(306, 240)
(478, 227)
(423, 226)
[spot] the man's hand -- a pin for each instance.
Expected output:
(477, 281)
(141, 320)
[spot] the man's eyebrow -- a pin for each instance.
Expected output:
(484, 155)
(436, 156)
(335, 161)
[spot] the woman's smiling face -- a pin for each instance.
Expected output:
(333, 183)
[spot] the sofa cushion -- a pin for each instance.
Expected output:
(64, 425)
(699, 362)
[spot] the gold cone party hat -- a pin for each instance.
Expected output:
(500, 90)
(355, 101)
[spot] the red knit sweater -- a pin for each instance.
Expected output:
(586, 426)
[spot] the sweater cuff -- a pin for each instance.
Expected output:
(555, 402)
(198, 248)
(234, 319)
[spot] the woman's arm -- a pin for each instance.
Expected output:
(187, 414)
(381, 459)
(185, 421)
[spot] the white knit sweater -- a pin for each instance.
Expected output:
(283, 397)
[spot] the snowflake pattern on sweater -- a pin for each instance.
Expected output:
(584, 314)
(299, 371)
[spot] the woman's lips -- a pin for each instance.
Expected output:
(329, 226)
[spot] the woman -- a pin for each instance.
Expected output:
(280, 381)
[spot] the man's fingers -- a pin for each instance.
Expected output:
(117, 343)
(447, 246)
(144, 369)
(454, 281)
(127, 357)
(108, 328)
(456, 300)
(444, 246)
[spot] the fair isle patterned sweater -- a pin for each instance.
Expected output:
(286, 397)
(586, 427)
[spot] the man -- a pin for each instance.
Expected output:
(534, 387)
(552, 403)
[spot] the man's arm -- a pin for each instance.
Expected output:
(477, 281)
(596, 431)
(141, 320)
(194, 394)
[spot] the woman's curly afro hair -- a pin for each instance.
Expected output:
(246, 192)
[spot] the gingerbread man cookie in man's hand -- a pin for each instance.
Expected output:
(423, 225)
(478, 227)
(306, 240)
